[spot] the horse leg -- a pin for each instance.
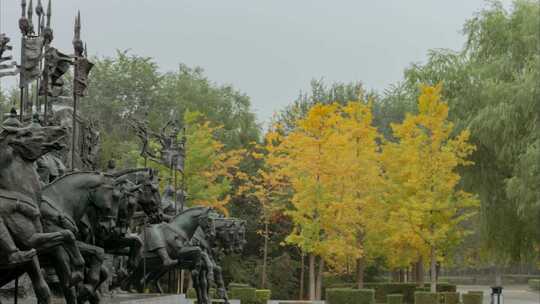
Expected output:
(66, 238)
(203, 283)
(63, 271)
(221, 290)
(154, 277)
(195, 277)
(135, 245)
(94, 258)
(41, 288)
(207, 262)
(103, 276)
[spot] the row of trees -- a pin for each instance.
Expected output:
(374, 158)
(353, 195)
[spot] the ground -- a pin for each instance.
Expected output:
(518, 294)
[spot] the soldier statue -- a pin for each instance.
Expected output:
(7, 246)
(154, 237)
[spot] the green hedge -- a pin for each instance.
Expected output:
(394, 299)
(449, 297)
(443, 287)
(384, 289)
(478, 292)
(246, 295)
(405, 289)
(422, 297)
(262, 295)
(534, 284)
(191, 294)
(473, 298)
(350, 296)
(238, 285)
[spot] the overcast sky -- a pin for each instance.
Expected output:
(268, 49)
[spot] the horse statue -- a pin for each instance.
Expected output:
(176, 235)
(19, 200)
(140, 191)
(65, 203)
(229, 238)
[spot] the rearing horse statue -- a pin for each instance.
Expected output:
(19, 197)
(64, 204)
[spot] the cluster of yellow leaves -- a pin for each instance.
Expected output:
(422, 207)
(330, 162)
(350, 193)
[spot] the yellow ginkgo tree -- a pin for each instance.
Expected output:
(330, 162)
(423, 205)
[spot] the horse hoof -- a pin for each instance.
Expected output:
(76, 277)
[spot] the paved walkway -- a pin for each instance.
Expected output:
(519, 294)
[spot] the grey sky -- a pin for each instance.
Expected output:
(268, 49)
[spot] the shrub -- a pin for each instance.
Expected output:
(350, 296)
(449, 297)
(237, 285)
(473, 298)
(422, 297)
(476, 292)
(384, 289)
(405, 289)
(534, 284)
(262, 295)
(446, 287)
(191, 293)
(394, 299)
(246, 295)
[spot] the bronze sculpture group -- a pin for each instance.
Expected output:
(60, 216)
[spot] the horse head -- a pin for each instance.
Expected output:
(144, 188)
(207, 224)
(105, 199)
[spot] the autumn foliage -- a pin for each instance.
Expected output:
(353, 194)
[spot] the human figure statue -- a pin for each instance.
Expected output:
(8, 249)
(48, 166)
(12, 120)
(111, 166)
(154, 237)
(167, 199)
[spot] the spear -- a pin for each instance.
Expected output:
(48, 37)
(77, 47)
(39, 13)
(30, 15)
(23, 26)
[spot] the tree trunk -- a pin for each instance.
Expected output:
(414, 273)
(311, 277)
(301, 292)
(498, 276)
(433, 270)
(360, 273)
(420, 272)
(265, 256)
(318, 290)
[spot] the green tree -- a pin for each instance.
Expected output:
(492, 89)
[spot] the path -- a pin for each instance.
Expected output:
(518, 294)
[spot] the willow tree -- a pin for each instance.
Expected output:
(492, 89)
